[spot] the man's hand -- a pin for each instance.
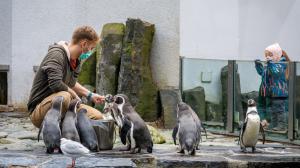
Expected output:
(97, 99)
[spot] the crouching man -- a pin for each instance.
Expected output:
(57, 76)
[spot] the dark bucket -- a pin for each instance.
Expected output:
(106, 136)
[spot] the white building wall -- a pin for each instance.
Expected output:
(6, 39)
(38, 23)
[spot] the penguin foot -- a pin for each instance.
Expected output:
(253, 149)
(193, 152)
(244, 150)
(181, 151)
(50, 150)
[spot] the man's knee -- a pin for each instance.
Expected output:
(67, 99)
(92, 113)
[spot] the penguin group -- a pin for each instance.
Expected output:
(74, 126)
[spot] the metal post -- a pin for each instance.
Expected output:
(180, 74)
(291, 98)
(230, 96)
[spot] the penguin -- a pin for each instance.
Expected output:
(111, 110)
(188, 129)
(50, 126)
(69, 130)
(251, 128)
(133, 130)
(86, 131)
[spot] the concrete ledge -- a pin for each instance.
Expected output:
(4, 67)
(163, 156)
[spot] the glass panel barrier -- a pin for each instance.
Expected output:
(204, 89)
(297, 101)
(267, 84)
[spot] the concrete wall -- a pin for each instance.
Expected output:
(6, 39)
(38, 23)
(238, 29)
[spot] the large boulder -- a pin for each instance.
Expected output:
(109, 57)
(196, 99)
(87, 74)
(237, 93)
(157, 138)
(297, 100)
(169, 99)
(135, 77)
(213, 112)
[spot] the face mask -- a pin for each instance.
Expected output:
(86, 55)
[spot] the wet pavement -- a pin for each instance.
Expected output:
(19, 148)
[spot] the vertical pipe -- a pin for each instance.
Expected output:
(230, 96)
(291, 98)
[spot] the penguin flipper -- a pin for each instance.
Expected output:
(204, 130)
(174, 134)
(242, 132)
(124, 130)
(263, 133)
(42, 126)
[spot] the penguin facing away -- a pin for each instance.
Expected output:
(86, 131)
(188, 129)
(133, 131)
(250, 128)
(69, 129)
(50, 127)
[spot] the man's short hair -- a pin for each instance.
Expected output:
(85, 32)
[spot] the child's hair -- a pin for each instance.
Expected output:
(288, 62)
(84, 32)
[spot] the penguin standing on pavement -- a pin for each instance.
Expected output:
(50, 127)
(69, 129)
(133, 130)
(251, 128)
(188, 129)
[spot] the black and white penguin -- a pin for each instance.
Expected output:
(250, 128)
(50, 127)
(69, 130)
(133, 130)
(188, 129)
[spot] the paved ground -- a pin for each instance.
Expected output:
(19, 148)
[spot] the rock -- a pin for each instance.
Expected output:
(169, 99)
(3, 134)
(135, 77)
(109, 57)
(5, 141)
(237, 85)
(24, 135)
(87, 74)
(5, 108)
(297, 100)
(213, 111)
(196, 99)
(157, 138)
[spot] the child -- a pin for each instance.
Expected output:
(273, 92)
